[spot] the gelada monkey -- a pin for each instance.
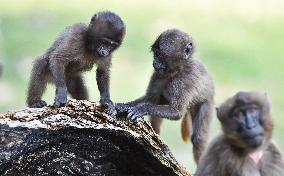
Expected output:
(76, 50)
(245, 147)
(179, 87)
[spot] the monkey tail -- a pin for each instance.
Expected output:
(186, 126)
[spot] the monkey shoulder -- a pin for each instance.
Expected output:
(76, 30)
(199, 82)
(199, 70)
(70, 43)
(272, 160)
(210, 163)
(218, 148)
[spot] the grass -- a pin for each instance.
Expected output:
(240, 42)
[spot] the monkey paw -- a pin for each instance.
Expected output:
(121, 107)
(135, 114)
(111, 110)
(39, 104)
(59, 102)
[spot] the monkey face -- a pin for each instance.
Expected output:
(171, 49)
(247, 120)
(105, 33)
(105, 46)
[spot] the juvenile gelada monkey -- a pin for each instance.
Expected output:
(179, 87)
(245, 147)
(76, 50)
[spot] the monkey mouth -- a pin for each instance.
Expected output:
(254, 141)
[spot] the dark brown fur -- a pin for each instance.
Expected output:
(229, 155)
(180, 85)
(76, 50)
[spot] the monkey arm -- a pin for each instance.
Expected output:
(123, 107)
(57, 66)
(103, 82)
(178, 101)
(103, 86)
(162, 111)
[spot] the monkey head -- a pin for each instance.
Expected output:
(246, 120)
(171, 49)
(105, 33)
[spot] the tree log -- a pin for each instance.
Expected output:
(81, 139)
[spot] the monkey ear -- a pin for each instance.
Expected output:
(94, 18)
(217, 113)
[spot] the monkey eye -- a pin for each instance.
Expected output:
(93, 18)
(239, 114)
(110, 42)
(252, 111)
(188, 48)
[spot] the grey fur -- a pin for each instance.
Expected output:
(228, 156)
(180, 86)
(74, 52)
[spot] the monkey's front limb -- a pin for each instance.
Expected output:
(162, 111)
(123, 107)
(103, 86)
(58, 72)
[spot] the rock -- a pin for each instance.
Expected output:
(80, 139)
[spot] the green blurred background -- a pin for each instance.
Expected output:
(241, 42)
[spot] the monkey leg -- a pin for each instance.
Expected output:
(37, 85)
(156, 123)
(201, 124)
(76, 87)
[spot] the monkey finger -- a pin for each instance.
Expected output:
(134, 115)
(58, 104)
(111, 111)
(130, 114)
(136, 118)
(39, 104)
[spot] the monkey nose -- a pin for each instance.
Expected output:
(156, 64)
(103, 52)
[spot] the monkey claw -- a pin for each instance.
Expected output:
(80, 139)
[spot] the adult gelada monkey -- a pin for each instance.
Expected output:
(245, 147)
(180, 87)
(77, 49)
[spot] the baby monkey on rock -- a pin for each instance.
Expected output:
(179, 87)
(76, 50)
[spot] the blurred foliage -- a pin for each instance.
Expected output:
(241, 43)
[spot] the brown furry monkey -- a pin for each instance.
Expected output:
(245, 147)
(180, 87)
(77, 49)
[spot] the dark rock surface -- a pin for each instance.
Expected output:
(80, 139)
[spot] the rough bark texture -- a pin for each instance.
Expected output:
(80, 139)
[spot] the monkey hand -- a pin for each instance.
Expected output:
(136, 113)
(60, 98)
(106, 102)
(39, 104)
(121, 107)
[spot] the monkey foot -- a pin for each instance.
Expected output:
(39, 104)
(58, 104)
